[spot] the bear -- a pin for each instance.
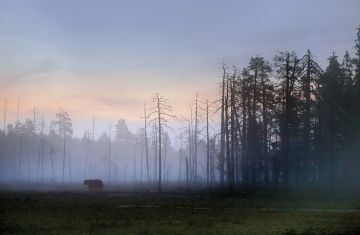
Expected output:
(94, 184)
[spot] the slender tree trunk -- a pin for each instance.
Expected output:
(332, 148)
(141, 160)
(187, 173)
(222, 131)
(52, 163)
(237, 149)
(159, 123)
(207, 145)
(42, 148)
(70, 178)
(286, 135)
(307, 119)
(190, 151)
(165, 154)
(146, 145)
(51, 155)
(213, 153)
(19, 134)
(233, 132)
(64, 154)
(265, 132)
(156, 153)
(109, 154)
(227, 137)
(195, 139)
(244, 136)
(86, 154)
(180, 159)
(20, 155)
(254, 158)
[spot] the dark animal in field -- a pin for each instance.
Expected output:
(94, 184)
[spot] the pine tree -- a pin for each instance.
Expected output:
(330, 91)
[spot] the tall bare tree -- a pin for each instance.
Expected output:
(63, 121)
(109, 154)
(146, 145)
(161, 112)
(207, 145)
(222, 129)
(196, 123)
(42, 146)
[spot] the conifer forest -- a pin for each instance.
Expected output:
(180, 117)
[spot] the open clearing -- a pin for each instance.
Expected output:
(172, 213)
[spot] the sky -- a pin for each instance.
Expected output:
(109, 57)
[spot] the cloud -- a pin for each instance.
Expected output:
(37, 73)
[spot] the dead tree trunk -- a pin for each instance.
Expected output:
(222, 131)
(42, 147)
(146, 145)
(207, 144)
(196, 139)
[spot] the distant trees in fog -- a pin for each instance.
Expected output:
(281, 122)
(47, 152)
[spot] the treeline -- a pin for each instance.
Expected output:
(36, 151)
(291, 122)
(281, 122)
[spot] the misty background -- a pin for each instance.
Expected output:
(73, 74)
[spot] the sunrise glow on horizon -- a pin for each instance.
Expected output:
(108, 58)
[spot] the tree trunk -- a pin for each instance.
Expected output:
(222, 131)
(307, 118)
(207, 145)
(146, 146)
(159, 123)
(195, 139)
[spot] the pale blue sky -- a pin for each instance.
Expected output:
(98, 36)
(105, 55)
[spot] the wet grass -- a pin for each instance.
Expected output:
(170, 213)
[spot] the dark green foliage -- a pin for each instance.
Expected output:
(297, 126)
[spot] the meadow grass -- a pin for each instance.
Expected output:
(175, 213)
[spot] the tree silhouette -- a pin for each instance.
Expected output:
(160, 114)
(63, 122)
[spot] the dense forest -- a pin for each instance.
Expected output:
(282, 122)
(291, 122)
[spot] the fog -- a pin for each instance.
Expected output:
(282, 122)
(41, 155)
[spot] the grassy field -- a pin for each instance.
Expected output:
(173, 213)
